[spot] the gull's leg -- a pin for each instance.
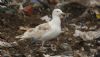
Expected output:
(42, 47)
(54, 46)
(43, 43)
(58, 41)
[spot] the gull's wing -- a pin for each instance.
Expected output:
(36, 32)
(46, 18)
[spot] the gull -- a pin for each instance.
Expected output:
(45, 31)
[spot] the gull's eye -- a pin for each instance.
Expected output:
(57, 11)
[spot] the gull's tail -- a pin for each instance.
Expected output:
(19, 37)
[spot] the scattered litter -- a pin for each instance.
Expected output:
(79, 26)
(56, 56)
(46, 18)
(90, 35)
(5, 44)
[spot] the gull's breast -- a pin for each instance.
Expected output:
(53, 33)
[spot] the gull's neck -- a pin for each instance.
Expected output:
(55, 20)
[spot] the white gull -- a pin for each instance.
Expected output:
(45, 31)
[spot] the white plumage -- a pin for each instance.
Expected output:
(45, 31)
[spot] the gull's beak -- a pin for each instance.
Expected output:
(62, 15)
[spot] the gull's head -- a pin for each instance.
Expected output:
(58, 13)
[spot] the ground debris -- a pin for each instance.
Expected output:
(5, 44)
(89, 35)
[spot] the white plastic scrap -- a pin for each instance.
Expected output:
(46, 18)
(95, 2)
(21, 6)
(5, 44)
(79, 27)
(51, 56)
(90, 35)
(56, 56)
